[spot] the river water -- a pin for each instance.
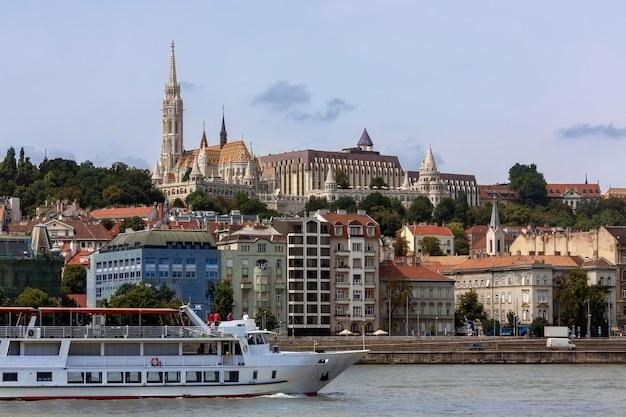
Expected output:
(409, 390)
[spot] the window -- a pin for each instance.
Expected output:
(93, 377)
(356, 294)
(75, 377)
(338, 230)
(255, 374)
(274, 374)
(231, 376)
(12, 377)
(369, 310)
(262, 247)
(357, 311)
(115, 377)
(172, 377)
(357, 247)
(154, 377)
(44, 376)
(355, 230)
(371, 230)
(211, 376)
(193, 376)
(133, 377)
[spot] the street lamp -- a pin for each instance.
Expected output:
(436, 326)
(418, 322)
(588, 319)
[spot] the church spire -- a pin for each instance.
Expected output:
(203, 141)
(223, 133)
(494, 223)
(429, 165)
(172, 77)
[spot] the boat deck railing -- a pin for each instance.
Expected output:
(122, 332)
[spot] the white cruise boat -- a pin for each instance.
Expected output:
(234, 359)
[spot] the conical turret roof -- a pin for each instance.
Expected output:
(365, 139)
(330, 177)
(428, 164)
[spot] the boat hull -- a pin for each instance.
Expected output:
(298, 373)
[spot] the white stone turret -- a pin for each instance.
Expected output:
(428, 164)
(196, 174)
(330, 184)
(405, 184)
(157, 178)
(249, 178)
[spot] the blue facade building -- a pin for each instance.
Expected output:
(183, 260)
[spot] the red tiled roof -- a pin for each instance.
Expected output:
(80, 258)
(585, 190)
(88, 231)
(598, 262)
(518, 260)
(429, 230)
(391, 271)
(21, 228)
(351, 218)
(121, 212)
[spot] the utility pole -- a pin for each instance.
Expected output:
(588, 319)
(389, 311)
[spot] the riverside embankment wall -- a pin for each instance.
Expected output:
(455, 350)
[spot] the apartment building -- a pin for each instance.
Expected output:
(254, 259)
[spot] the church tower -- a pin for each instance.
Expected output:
(495, 234)
(172, 117)
(223, 133)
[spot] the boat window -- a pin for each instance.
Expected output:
(115, 377)
(160, 349)
(154, 377)
(200, 348)
(133, 377)
(231, 376)
(84, 349)
(75, 377)
(93, 377)
(251, 340)
(44, 376)
(237, 348)
(9, 377)
(255, 374)
(42, 349)
(259, 339)
(225, 348)
(211, 376)
(193, 376)
(121, 349)
(14, 349)
(274, 374)
(172, 377)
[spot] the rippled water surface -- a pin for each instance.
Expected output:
(420, 390)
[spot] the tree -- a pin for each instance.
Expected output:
(529, 183)
(468, 307)
(74, 279)
(341, 178)
(461, 243)
(34, 297)
(420, 210)
(135, 296)
(430, 246)
(135, 223)
(223, 298)
(536, 327)
(198, 200)
(572, 291)
(316, 203)
(265, 319)
(185, 177)
(444, 212)
(344, 203)
(400, 246)
(178, 203)
(113, 195)
(4, 298)
(396, 294)
(461, 207)
(378, 182)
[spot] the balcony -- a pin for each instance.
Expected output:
(342, 284)
(342, 267)
(342, 300)
(342, 252)
(246, 285)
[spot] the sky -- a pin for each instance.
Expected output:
(485, 83)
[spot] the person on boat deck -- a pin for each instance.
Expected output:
(245, 316)
(216, 318)
(229, 317)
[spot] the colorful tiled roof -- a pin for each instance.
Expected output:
(389, 271)
(121, 212)
(429, 230)
(585, 190)
(351, 218)
(517, 261)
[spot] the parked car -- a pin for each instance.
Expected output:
(476, 347)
